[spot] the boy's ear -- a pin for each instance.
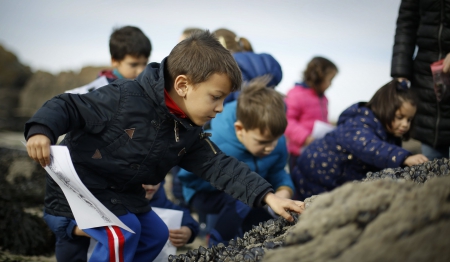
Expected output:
(238, 128)
(180, 85)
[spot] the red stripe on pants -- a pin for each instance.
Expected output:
(112, 253)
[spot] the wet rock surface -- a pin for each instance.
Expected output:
(400, 214)
(22, 187)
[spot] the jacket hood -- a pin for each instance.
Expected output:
(223, 126)
(253, 65)
(354, 111)
(152, 81)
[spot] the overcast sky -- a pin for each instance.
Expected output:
(357, 35)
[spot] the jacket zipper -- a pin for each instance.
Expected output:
(176, 130)
(436, 131)
(440, 30)
(205, 136)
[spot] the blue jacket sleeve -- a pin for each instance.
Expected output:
(360, 139)
(61, 226)
(160, 200)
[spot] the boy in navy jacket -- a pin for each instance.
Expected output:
(250, 129)
(132, 132)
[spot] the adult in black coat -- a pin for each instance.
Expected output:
(425, 25)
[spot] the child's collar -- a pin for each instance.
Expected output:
(172, 106)
(116, 73)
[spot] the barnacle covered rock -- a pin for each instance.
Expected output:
(396, 214)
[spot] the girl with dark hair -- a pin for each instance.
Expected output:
(367, 139)
(306, 103)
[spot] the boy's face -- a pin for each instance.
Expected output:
(150, 190)
(130, 66)
(258, 144)
(203, 101)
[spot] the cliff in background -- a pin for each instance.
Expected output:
(22, 91)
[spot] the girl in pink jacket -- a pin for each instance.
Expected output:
(306, 103)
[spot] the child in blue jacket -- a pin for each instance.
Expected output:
(72, 243)
(367, 138)
(132, 132)
(250, 129)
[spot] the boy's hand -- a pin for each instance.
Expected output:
(38, 147)
(308, 140)
(78, 232)
(282, 205)
(179, 237)
(283, 193)
(415, 160)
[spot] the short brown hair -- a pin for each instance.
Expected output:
(316, 71)
(261, 107)
(387, 100)
(199, 57)
(192, 30)
(129, 40)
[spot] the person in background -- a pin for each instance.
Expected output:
(250, 129)
(189, 227)
(130, 50)
(132, 132)
(425, 25)
(187, 32)
(251, 64)
(367, 139)
(73, 243)
(306, 103)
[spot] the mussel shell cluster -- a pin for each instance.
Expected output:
(418, 173)
(251, 247)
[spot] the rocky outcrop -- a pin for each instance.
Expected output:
(42, 86)
(13, 76)
(23, 92)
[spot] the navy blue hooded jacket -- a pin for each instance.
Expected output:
(253, 65)
(122, 135)
(359, 144)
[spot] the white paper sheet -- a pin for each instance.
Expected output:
(97, 83)
(320, 129)
(172, 218)
(86, 209)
